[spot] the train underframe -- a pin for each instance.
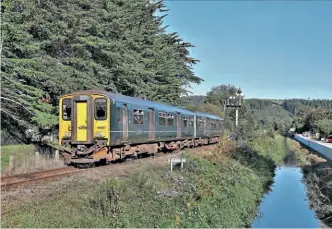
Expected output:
(84, 156)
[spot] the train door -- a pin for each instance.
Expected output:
(124, 122)
(151, 125)
(82, 121)
(179, 125)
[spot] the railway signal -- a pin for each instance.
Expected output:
(235, 102)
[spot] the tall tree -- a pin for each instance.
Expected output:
(55, 47)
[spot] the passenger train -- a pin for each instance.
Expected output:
(99, 126)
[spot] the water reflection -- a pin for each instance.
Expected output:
(286, 205)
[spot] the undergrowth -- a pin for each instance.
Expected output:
(269, 146)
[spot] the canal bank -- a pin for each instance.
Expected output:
(318, 178)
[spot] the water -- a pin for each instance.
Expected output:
(286, 206)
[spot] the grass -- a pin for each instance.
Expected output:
(222, 188)
(17, 150)
(272, 147)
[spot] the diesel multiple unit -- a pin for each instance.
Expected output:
(99, 126)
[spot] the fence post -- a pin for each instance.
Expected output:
(171, 166)
(37, 159)
(11, 163)
(56, 154)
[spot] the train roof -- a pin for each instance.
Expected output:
(212, 116)
(144, 102)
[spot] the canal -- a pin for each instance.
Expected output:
(286, 205)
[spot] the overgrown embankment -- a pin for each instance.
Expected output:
(221, 188)
(318, 178)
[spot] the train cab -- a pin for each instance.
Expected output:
(84, 120)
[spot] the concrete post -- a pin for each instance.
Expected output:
(56, 154)
(171, 166)
(37, 159)
(236, 117)
(11, 163)
(181, 163)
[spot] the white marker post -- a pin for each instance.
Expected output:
(176, 161)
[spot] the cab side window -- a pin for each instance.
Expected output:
(118, 114)
(100, 109)
(66, 109)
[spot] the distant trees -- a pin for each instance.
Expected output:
(213, 102)
(324, 125)
(294, 105)
(218, 94)
(311, 119)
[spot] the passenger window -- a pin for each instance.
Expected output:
(100, 109)
(162, 119)
(138, 116)
(66, 109)
(118, 114)
(170, 120)
(185, 122)
(201, 123)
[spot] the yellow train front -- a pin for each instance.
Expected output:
(84, 126)
(99, 126)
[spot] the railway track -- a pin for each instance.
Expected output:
(20, 180)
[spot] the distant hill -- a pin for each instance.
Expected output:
(290, 105)
(267, 111)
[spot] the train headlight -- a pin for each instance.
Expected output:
(68, 134)
(99, 134)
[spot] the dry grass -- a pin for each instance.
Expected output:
(30, 163)
(225, 149)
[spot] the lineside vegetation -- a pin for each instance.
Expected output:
(221, 188)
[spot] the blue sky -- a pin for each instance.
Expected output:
(271, 49)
